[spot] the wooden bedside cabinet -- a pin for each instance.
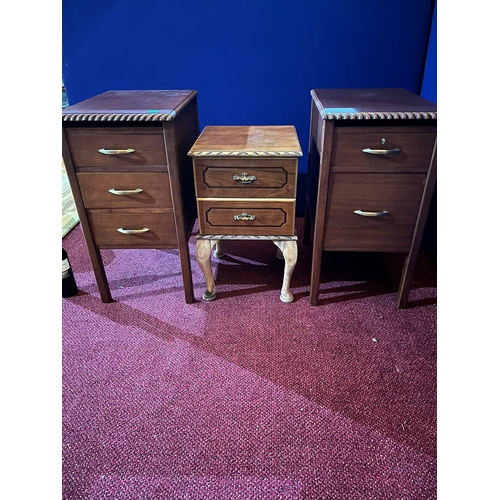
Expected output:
(246, 184)
(125, 153)
(371, 175)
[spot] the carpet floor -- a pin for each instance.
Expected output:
(247, 397)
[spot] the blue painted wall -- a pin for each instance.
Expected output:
(429, 91)
(253, 63)
(429, 82)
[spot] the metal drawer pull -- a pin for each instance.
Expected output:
(371, 214)
(133, 231)
(244, 178)
(371, 151)
(116, 151)
(244, 216)
(122, 192)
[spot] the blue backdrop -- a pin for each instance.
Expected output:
(253, 63)
(429, 83)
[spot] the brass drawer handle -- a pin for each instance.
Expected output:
(122, 192)
(244, 178)
(116, 151)
(371, 214)
(133, 231)
(244, 216)
(371, 151)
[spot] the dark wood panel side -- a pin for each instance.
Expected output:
(312, 174)
(187, 130)
(179, 135)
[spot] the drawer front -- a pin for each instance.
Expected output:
(247, 217)
(406, 151)
(129, 190)
(245, 178)
(161, 230)
(374, 194)
(127, 147)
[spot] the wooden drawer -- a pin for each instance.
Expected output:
(161, 230)
(95, 190)
(269, 217)
(398, 194)
(237, 178)
(147, 143)
(415, 150)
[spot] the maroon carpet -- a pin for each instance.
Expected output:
(247, 397)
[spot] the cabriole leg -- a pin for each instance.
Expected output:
(289, 251)
(203, 257)
(219, 250)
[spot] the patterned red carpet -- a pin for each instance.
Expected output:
(247, 397)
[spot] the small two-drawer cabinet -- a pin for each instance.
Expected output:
(125, 153)
(246, 184)
(371, 175)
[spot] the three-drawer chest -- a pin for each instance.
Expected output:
(246, 184)
(371, 175)
(125, 153)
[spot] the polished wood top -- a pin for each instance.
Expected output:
(376, 103)
(130, 105)
(265, 141)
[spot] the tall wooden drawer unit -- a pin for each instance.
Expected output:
(371, 175)
(125, 153)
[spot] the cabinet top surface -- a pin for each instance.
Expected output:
(130, 105)
(263, 141)
(382, 103)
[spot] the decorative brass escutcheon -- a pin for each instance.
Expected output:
(244, 178)
(244, 216)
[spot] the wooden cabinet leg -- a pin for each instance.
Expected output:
(219, 249)
(315, 276)
(406, 277)
(289, 251)
(411, 259)
(203, 257)
(99, 273)
(187, 278)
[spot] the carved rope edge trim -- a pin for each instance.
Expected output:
(119, 117)
(244, 237)
(381, 115)
(245, 153)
